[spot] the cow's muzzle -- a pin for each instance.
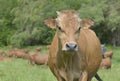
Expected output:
(71, 47)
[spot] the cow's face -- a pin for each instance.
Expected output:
(68, 25)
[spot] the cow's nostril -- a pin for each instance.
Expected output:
(71, 46)
(67, 45)
(75, 45)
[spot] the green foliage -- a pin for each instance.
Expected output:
(29, 17)
(114, 15)
(21, 23)
(6, 27)
(93, 10)
(21, 70)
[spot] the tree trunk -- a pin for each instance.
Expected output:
(116, 38)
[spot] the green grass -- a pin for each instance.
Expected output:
(20, 70)
(112, 74)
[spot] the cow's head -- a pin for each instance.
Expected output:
(68, 25)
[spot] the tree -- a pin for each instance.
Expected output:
(29, 17)
(7, 29)
(22, 22)
(113, 21)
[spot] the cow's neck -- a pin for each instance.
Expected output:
(69, 64)
(65, 59)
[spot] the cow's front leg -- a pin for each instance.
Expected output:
(59, 78)
(56, 73)
(84, 76)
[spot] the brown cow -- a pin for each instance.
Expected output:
(48, 46)
(9, 54)
(2, 52)
(4, 58)
(108, 54)
(75, 53)
(39, 59)
(11, 51)
(38, 49)
(106, 63)
(20, 53)
(1, 58)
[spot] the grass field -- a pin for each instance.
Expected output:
(20, 70)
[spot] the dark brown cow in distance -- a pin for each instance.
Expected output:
(75, 53)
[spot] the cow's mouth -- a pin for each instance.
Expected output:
(69, 50)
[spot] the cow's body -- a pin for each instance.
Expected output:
(106, 63)
(40, 59)
(19, 54)
(1, 52)
(86, 59)
(9, 54)
(71, 62)
(108, 54)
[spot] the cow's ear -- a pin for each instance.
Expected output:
(50, 23)
(86, 23)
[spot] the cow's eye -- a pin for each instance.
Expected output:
(60, 29)
(79, 28)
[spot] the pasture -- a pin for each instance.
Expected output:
(20, 70)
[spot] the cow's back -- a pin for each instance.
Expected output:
(91, 50)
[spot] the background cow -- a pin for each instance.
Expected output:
(106, 63)
(108, 54)
(40, 59)
(75, 53)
